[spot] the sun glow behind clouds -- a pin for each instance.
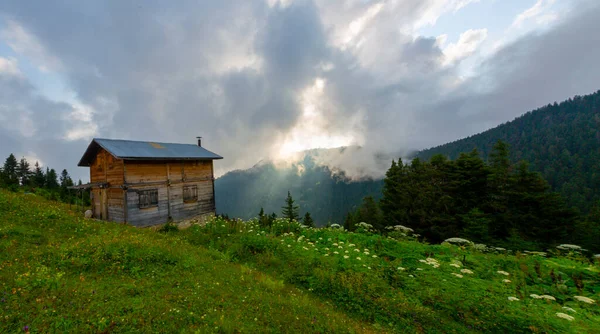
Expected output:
(313, 129)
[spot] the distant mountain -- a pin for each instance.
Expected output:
(561, 141)
(327, 193)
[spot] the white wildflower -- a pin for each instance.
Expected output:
(506, 280)
(419, 268)
(564, 316)
(351, 245)
(569, 309)
(327, 249)
(335, 252)
(584, 299)
(369, 268)
(458, 241)
(503, 273)
(367, 253)
(289, 245)
(568, 247)
(326, 255)
(410, 276)
(335, 244)
(457, 275)
(466, 271)
(401, 268)
(431, 261)
(304, 248)
(455, 265)
(346, 252)
(366, 250)
(402, 228)
(346, 256)
(513, 299)
(374, 256)
(357, 250)
(358, 258)
(341, 242)
(547, 297)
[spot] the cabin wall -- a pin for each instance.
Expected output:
(169, 179)
(107, 201)
(107, 168)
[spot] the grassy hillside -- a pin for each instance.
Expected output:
(560, 140)
(60, 272)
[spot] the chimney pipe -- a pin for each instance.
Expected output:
(199, 141)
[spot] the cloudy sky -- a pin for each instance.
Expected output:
(267, 78)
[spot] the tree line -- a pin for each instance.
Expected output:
(495, 202)
(560, 140)
(18, 175)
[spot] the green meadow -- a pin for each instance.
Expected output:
(60, 272)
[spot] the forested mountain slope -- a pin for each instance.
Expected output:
(560, 140)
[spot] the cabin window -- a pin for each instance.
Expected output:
(148, 198)
(190, 194)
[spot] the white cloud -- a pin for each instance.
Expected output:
(82, 124)
(467, 45)
(25, 43)
(540, 13)
(9, 66)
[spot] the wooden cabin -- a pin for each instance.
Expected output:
(149, 183)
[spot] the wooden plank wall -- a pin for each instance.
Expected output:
(168, 178)
(107, 169)
(148, 216)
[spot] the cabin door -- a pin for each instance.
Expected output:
(104, 204)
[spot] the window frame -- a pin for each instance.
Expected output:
(194, 197)
(148, 204)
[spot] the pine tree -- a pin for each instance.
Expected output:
(39, 179)
(65, 179)
(498, 189)
(308, 221)
(369, 213)
(23, 172)
(263, 220)
(9, 171)
(290, 210)
(51, 179)
(349, 223)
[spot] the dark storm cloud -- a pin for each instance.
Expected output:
(233, 72)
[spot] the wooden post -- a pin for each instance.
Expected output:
(212, 180)
(168, 193)
(125, 194)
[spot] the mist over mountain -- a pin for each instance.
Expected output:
(326, 191)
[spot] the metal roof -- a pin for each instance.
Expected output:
(144, 150)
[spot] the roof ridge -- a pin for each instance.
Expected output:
(145, 141)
